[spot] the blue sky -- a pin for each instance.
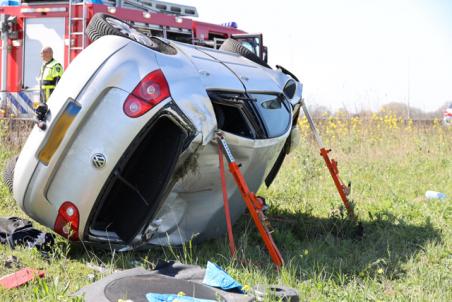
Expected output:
(359, 54)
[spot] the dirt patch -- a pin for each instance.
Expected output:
(190, 165)
(14, 132)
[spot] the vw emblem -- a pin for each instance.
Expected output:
(99, 160)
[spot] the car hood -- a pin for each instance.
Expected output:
(195, 70)
(227, 70)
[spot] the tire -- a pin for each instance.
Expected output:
(236, 47)
(104, 25)
(8, 173)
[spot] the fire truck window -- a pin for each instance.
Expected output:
(248, 46)
(175, 9)
(190, 11)
(252, 44)
(143, 30)
(180, 37)
(157, 33)
(161, 6)
(217, 35)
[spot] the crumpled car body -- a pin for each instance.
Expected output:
(98, 175)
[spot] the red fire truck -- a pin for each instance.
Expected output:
(28, 26)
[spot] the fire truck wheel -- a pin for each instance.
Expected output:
(236, 47)
(8, 173)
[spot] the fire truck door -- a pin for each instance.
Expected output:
(254, 43)
(41, 32)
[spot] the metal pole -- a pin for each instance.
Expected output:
(3, 20)
(408, 88)
(312, 125)
(84, 16)
(69, 34)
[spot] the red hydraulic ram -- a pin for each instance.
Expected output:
(343, 190)
(254, 204)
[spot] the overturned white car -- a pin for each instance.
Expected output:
(126, 153)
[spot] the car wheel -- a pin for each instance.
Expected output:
(236, 47)
(8, 173)
(104, 24)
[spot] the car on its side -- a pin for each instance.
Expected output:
(126, 152)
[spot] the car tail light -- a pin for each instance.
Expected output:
(67, 221)
(149, 92)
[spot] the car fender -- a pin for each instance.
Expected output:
(189, 92)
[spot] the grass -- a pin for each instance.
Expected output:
(403, 255)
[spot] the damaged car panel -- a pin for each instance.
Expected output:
(198, 195)
(92, 59)
(129, 156)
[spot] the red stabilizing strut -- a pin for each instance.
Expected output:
(340, 186)
(257, 215)
(226, 203)
(253, 203)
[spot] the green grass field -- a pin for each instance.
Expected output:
(405, 253)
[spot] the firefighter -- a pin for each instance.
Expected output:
(51, 72)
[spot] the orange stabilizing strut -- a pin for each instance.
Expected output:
(254, 204)
(343, 190)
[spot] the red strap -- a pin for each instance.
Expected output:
(226, 202)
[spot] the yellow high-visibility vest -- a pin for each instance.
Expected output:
(51, 73)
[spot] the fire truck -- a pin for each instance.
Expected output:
(28, 26)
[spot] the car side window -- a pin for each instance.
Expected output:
(275, 113)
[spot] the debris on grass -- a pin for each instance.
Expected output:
(20, 277)
(12, 262)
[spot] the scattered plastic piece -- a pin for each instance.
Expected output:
(17, 231)
(434, 195)
(11, 262)
(280, 293)
(217, 277)
(97, 268)
(153, 297)
(20, 277)
(9, 3)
